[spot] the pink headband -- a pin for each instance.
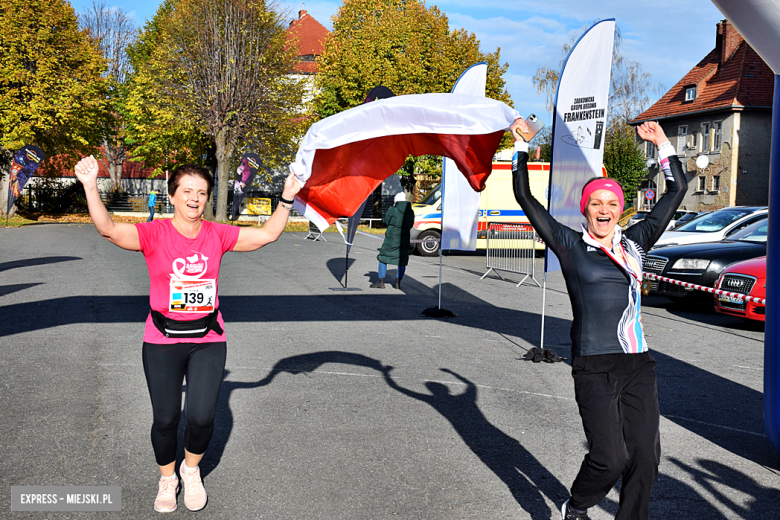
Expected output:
(600, 184)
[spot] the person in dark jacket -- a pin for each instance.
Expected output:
(614, 372)
(395, 249)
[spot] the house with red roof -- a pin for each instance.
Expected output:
(719, 117)
(309, 37)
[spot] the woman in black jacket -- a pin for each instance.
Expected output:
(614, 374)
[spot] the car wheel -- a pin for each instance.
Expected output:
(429, 243)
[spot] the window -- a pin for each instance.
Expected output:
(705, 137)
(702, 183)
(682, 136)
(650, 149)
(690, 93)
(716, 183)
(718, 139)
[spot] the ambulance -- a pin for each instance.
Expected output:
(497, 205)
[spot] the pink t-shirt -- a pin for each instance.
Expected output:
(180, 269)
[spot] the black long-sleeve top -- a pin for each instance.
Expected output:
(605, 298)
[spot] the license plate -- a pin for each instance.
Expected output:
(728, 299)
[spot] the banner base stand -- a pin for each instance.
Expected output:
(537, 355)
(345, 289)
(435, 312)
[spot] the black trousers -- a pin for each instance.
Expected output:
(618, 401)
(165, 367)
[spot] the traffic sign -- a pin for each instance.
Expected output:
(649, 194)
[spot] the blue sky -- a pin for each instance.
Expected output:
(668, 37)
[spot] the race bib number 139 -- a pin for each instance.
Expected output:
(193, 295)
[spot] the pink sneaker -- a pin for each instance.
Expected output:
(195, 497)
(166, 495)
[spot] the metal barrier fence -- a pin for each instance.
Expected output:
(511, 248)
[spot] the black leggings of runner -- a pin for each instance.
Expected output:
(165, 367)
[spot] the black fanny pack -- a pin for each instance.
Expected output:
(186, 328)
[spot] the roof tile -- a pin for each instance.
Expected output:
(744, 80)
(311, 36)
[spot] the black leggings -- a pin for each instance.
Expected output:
(165, 367)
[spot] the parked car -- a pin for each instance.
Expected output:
(639, 215)
(642, 213)
(746, 277)
(713, 227)
(688, 217)
(680, 213)
(701, 264)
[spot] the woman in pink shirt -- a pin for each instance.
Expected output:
(184, 334)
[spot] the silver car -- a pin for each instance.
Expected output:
(714, 227)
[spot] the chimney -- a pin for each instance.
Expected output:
(727, 39)
(301, 13)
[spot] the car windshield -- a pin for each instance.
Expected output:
(686, 217)
(713, 222)
(433, 196)
(754, 233)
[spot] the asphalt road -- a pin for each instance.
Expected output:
(312, 421)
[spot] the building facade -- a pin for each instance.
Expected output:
(719, 117)
(308, 35)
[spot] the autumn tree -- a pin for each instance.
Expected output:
(224, 67)
(159, 128)
(404, 46)
(113, 32)
(51, 90)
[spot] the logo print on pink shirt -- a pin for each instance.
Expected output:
(190, 267)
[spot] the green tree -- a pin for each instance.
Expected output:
(51, 90)
(404, 46)
(624, 160)
(223, 67)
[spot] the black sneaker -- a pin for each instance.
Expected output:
(568, 513)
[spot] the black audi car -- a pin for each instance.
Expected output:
(701, 264)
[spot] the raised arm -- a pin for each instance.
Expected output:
(658, 219)
(121, 234)
(544, 224)
(250, 239)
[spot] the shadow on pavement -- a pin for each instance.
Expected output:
(527, 479)
(338, 265)
(31, 262)
(725, 412)
(8, 289)
(712, 479)
(223, 426)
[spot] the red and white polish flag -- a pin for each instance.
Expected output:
(344, 157)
